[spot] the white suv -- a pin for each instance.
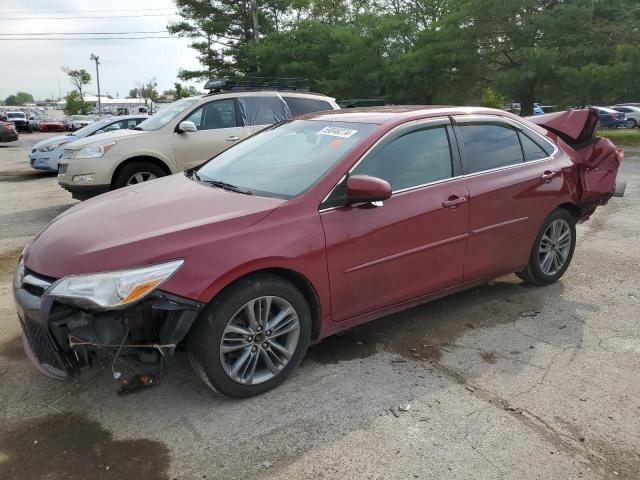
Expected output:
(180, 136)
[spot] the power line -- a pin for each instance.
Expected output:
(79, 38)
(91, 18)
(80, 33)
(90, 11)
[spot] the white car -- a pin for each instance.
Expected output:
(181, 136)
(76, 122)
(632, 114)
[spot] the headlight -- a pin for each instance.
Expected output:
(95, 151)
(19, 275)
(113, 289)
(53, 146)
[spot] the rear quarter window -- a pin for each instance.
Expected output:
(300, 106)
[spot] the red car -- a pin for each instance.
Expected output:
(8, 132)
(310, 227)
(50, 126)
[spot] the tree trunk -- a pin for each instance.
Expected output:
(526, 103)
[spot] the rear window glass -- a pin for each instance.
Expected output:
(300, 106)
(263, 110)
(488, 146)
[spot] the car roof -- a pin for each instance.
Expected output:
(261, 93)
(380, 115)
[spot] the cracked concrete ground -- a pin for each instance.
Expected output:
(489, 393)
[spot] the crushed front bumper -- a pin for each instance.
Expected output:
(60, 339)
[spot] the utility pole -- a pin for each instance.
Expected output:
(256, 27)
(95, 58)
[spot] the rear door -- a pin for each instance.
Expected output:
(414, 243)
(514, 181)
(218, 128)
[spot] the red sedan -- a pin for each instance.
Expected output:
(50, 126)
(310, 227)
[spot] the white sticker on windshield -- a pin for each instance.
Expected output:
(337, 132)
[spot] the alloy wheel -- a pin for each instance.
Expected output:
(555, 246)
(140, 177)
(259, 340)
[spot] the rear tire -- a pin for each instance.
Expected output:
(552, 250)
(224, 334)
(137, 172)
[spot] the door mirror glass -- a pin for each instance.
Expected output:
(367, 189)
(187, 126)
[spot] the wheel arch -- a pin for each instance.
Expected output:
(300, 281)
(140, 158)
(572, 208)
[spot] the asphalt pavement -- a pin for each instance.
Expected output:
(505, 381)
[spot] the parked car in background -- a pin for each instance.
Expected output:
(8, 132)
(181, 136)
(631, 113)
(20, 120)
(76, 122)
(310, 227)
(50, 125)
(46, 154)
(609, 118)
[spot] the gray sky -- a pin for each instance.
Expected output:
(34, 66)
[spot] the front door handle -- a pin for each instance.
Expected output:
(547, 176)
(453, 201)
(232, 138)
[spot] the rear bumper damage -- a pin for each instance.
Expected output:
(60, 339)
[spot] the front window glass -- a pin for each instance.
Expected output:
(489, 146)
(214, 115)
(287, 159)
(413, 159)
(165, 115)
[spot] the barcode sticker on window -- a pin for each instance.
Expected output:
(337, 132)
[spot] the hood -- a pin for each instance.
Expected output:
(55, 139)
(116, 135)
(159, 220)
(573, 126)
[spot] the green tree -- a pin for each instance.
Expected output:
(79, 78)
(19, 98)
(75, 105)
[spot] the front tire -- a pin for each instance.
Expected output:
(552, 250)
(631, 123)
(137, 172)
(251, 336)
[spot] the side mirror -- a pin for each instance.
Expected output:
(186, 127)
(98, 132)
(367, 189)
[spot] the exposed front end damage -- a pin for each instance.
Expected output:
(61, 339)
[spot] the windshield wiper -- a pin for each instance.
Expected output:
(227, 186)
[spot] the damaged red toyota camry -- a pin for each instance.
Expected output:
(310, 227)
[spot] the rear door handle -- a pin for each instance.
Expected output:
(232, 138)
(547, 176)
(453, 201)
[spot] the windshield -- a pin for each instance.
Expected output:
(16, 115)
(285, 160)
(165, 115)
(89, 129)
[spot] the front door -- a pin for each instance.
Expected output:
(218, 129)
(411, 245)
